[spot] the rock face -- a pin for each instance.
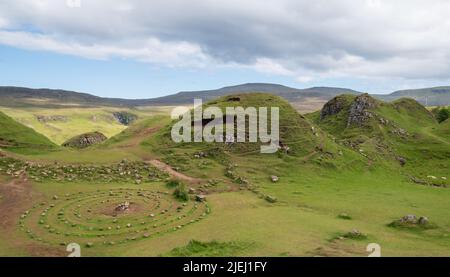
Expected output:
(332, 107)
(51, 118)
(85, 140)
(125, 118)
(359, 111)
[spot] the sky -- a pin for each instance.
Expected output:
(146, 49)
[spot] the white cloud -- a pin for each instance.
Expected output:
(149, 50)
(303, 39)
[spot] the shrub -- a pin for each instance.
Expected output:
(173, 183)
(181, 193)
(442, 115)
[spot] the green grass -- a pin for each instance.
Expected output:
(21, 139)
(319, 183)
(208, 249)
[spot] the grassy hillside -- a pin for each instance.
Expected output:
(61, 124)
(402, 132)
(19, 138)
(339, 176)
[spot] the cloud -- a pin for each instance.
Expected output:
(305, 40)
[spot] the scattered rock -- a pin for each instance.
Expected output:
(271, 199)
(355, 234)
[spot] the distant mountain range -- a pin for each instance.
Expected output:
(305, 99)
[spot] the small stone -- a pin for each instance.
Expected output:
(423, 220)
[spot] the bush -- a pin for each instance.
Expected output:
(442, 115)
(181, 193)
(173, 183)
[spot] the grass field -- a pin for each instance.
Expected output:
(334, 183)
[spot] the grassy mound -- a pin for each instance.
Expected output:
(19, 138)
(85, 140)
(296, 133)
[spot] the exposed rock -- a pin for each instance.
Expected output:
(418, 181)
(200, 198)
(271, 199)
(51, 118)
(359, 111)
(85, 140)
(423, 220)
(125, 118)
(332, 107)
(400, 132)
(274, 179)
(122, 207)
(401, 160)
(409, 219)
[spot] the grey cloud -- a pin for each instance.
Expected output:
(373, 38)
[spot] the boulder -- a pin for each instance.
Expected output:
(274, 179)
(423, 220)
(200, 198)
(271, 199)
(409, 219)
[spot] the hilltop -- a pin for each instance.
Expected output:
(436, 96)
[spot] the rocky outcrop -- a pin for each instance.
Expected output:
(332, 107)
(51, 118)
(125, 118)
(359, 112)
(85, 140)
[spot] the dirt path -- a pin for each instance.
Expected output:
(173, 173)
(17, 196)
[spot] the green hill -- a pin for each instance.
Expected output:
(402, 132)
(19, 138)
(296, 133)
